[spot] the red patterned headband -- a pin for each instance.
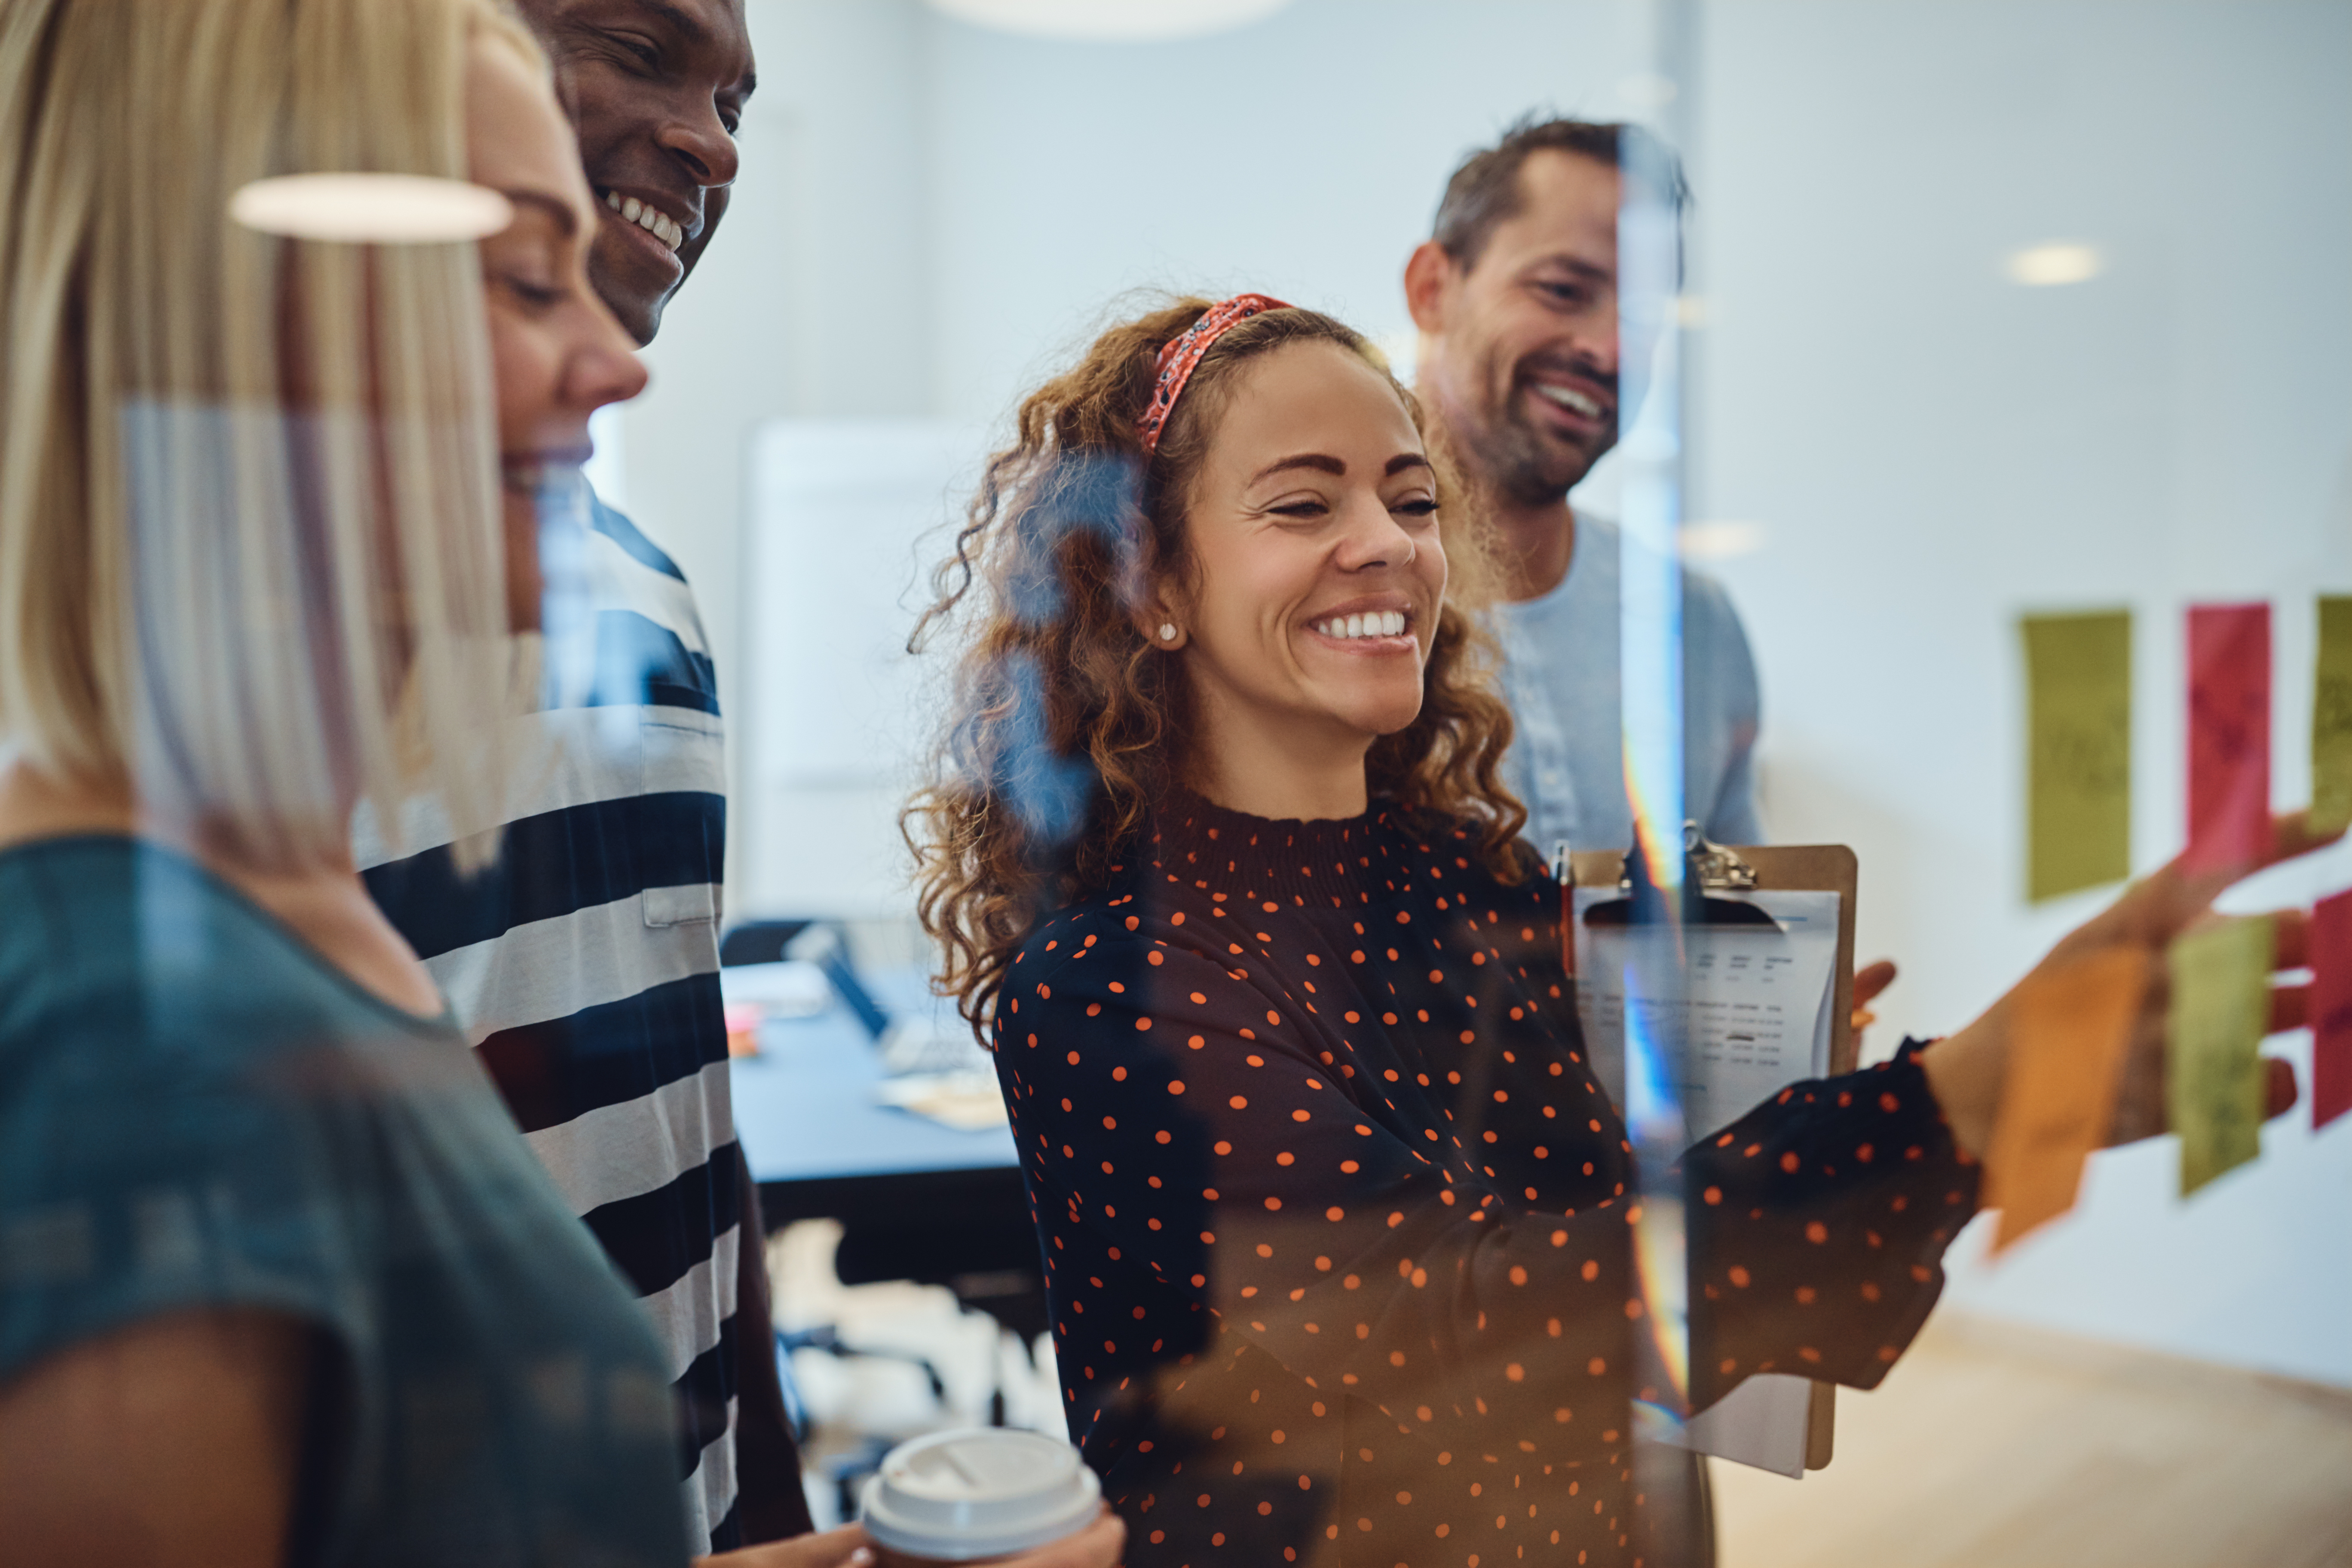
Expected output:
(1182, 354)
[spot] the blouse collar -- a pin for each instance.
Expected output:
(1269, 864)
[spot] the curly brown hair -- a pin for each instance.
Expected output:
(1065, 725)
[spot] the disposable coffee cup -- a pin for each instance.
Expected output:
(976, 1496)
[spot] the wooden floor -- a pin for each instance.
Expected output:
(1994, 1447)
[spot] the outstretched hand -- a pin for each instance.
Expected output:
(1966, 1068)
(1869, 981)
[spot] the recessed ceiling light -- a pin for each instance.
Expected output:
(1722, 541)
(1125, 21)
(371, 209)
(2045, 266)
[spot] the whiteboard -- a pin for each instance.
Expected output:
(846, 521)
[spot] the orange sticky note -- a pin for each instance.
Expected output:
(2066, 1060)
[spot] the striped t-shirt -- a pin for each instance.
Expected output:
(583, 962)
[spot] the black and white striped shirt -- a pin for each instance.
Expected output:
(584, 964)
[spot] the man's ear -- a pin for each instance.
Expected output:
(1429, 275)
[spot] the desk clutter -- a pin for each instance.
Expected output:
(932, 1065)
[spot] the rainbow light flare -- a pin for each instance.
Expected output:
(1653, 1115)
(1650, 634)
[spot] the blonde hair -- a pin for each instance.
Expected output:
(250, 556)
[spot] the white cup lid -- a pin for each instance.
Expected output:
(980, 1493)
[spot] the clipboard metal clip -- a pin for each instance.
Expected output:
(1712, 869)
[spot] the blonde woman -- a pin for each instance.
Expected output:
(278, 1279)
(280, 1282)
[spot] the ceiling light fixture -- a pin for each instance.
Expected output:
(1721, 540)
(2047, 266)
(1110, 21)
(371, 209)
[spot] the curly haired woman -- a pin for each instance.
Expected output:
(1334, 1212)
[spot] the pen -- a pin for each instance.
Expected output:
(1563, 871)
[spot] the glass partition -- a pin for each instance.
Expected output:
(1935, 324)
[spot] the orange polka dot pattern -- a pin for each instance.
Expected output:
(1334, 1212)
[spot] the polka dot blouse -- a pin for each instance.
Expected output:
(1334, 1212)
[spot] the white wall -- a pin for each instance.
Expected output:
(932, 214)
(812, 300)
(850, 517)
(1302, 157)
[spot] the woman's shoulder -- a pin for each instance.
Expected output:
(194, 1108)
(154, 1022)
(129, 950)
(1134, 917)
(1084, 920)
(198, 1112)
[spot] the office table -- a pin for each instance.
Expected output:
(916, 1200)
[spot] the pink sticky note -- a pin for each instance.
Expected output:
(2229, 734)
(2331, 1009)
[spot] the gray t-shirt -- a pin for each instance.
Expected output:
(1561, 677)
(197, 1111)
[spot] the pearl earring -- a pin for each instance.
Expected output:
(1167, 631)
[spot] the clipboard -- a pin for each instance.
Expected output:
(1714, 870)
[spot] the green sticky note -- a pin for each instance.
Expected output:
(2214, 1077)
(2331, 720)
(2078, 746)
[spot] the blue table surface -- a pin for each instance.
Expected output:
(805, 1106)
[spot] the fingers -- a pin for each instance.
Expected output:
(1870, 980)
(844, 1548)
(2293, 834)
(2186, 889)
(2290, 1008)
(2140, 1111)
(2290, 931)
(2278, 1090)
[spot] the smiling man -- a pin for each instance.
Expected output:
(656, 90)
(584, 964)
(1515, 297)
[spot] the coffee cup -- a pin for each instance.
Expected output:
(976, 1496)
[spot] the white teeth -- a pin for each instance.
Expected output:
(1377, 623)
(1569, 398)
(660, 226)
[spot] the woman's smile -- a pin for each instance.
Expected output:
(1380, 626)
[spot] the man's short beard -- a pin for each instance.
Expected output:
(1516, 464)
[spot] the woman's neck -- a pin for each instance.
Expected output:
(327, 905)
(1277, 766)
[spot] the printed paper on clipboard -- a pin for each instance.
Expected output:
(1761, 1009)
(1758, 1005)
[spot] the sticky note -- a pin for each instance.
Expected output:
(2331, 720)
(2214, 1077)
(2071, 1032)
(2229, 736)
(2078, 747)
(2331, 1009)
